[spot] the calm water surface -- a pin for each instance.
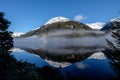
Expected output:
(94, 67)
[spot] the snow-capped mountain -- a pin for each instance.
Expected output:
(112, 24)
(17, 34)
(60, 23)
(57, 19)
(115, 19)
(97, 25)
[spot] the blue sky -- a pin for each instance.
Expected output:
(26, 15)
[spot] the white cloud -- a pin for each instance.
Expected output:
(79, 17)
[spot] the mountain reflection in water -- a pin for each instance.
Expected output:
(94, 66)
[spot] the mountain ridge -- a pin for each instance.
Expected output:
(62, 23)
(59, 25)
(112, 24)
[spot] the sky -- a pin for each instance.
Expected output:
(26, 15)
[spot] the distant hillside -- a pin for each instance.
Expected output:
(57, 26)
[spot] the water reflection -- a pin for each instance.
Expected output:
(93, 67)
(114, 59)
(30, 58)
(59, 57)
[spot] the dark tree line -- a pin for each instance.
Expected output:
(4, 23)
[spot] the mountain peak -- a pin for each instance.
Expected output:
(112, 24)
(115, 19)
(57, 19)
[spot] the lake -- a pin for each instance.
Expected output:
(95, 66)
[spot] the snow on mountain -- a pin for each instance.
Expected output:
(115, 19)
(97, 25)
(57, 19)
(100, 25)
(112, 24)
(17, 34)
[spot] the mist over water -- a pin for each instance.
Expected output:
(59, 41)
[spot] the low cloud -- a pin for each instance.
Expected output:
(58, 42)
(80, 18)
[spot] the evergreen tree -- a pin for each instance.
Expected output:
(4, 23)
(6, 41)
